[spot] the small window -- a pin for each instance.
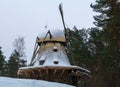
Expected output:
(55, 62)
(41, 62)
(55, 49)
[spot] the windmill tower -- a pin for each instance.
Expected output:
(50, 62)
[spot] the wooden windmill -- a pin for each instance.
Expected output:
(50, 62)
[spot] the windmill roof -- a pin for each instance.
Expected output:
(57, 39)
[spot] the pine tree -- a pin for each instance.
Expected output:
(3, 64)
(81, 56)
(78, 42)
(16, 59)
(108, 20)
(96, 47)
(13, 64)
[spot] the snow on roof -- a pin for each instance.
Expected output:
(79, 69)
(28, 67)
(12, 82)
(54, 32)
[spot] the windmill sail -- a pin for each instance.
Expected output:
(62, 16)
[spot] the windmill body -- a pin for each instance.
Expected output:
(50, 61)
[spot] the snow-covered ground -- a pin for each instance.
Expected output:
(12, 82)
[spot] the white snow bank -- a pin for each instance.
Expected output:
(12, 82)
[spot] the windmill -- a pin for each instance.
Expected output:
(50, 61)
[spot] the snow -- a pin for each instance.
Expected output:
(54, 32)
(13, 82)
(49, 56)
(118, 0)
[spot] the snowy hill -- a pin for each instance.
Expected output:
(12, 82)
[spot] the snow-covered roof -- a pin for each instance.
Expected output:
(67, 67)
(54, 32)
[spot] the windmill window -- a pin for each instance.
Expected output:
(56, 62)
(41, 62)
(55, 49)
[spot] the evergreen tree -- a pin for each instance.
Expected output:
(13, 64)
(16, 59)
(108, 20)
(96, 46)
(79, 50)
(3, 64)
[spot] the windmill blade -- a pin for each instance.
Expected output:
(62, 16)
(34, 52)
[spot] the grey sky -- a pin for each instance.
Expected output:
(27, 18)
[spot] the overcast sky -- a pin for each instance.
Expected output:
(27, 18)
